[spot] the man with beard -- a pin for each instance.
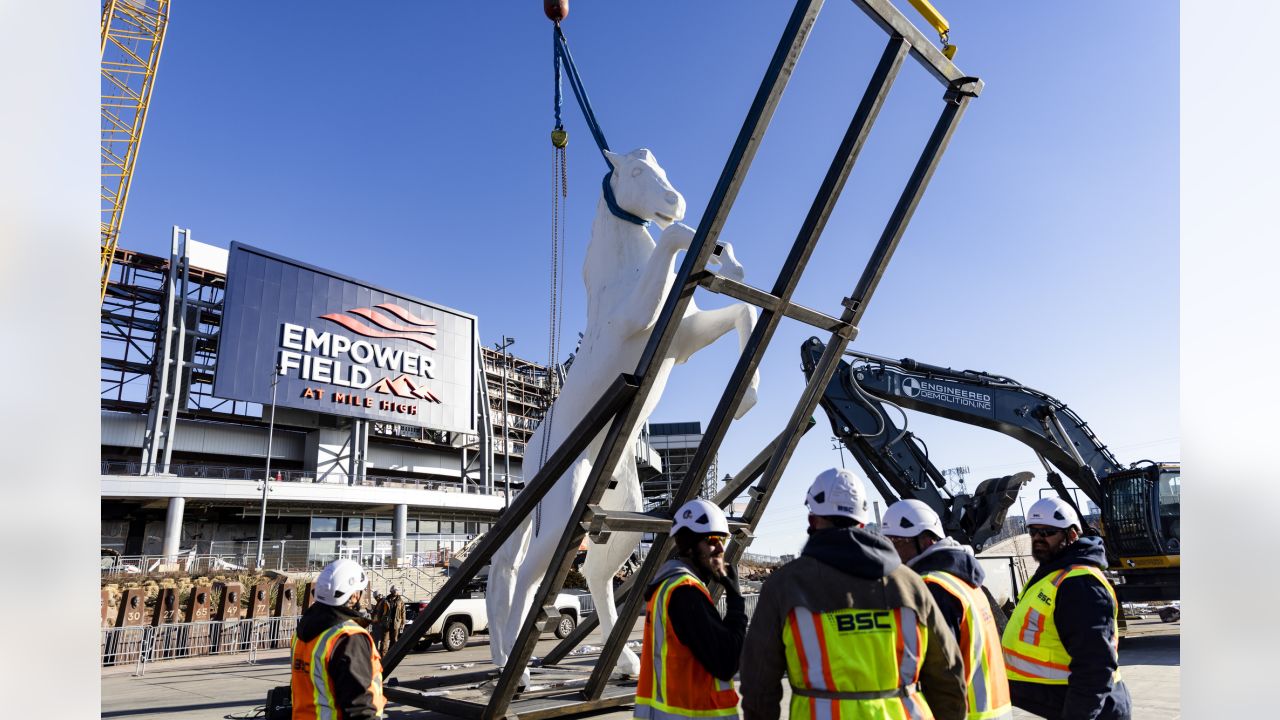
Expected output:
(856, 633)
(954, 577)
(690, 654)
(1060, 645)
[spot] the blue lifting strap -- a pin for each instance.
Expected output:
(562, 56)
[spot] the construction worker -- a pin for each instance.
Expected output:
(394, 619)
(690, 654)
(954, 578)
(337, 671)
(1060, 646)
(856, 633)
(378, 628)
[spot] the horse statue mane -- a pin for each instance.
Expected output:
(627, 277)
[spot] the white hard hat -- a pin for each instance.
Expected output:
(339, 580)
(701, 517)
(838, 492)
(909, 518)
(1054, 512)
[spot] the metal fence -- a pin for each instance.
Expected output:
(281, 555)
(299, 476)
(140, 646)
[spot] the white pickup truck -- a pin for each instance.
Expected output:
(467, 616)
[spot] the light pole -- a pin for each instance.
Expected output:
(839, 447)
(266, 480)
(506, 437)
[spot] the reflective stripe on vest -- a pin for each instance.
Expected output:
(980, 650)
(1033, 652)
(673, 685)
(853, 663)
(311, 687)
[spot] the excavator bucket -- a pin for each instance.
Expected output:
(985, 511)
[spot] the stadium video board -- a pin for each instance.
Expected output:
(341, 346)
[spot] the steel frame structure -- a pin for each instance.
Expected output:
(619, 406)
(132, 37)
(133, 328)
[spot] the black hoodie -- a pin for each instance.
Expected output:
(854, 551)
(1083, 614)
(716, 642)
(842, 569)
(954, 559)
(350, 667)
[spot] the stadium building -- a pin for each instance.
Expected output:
(390, 434)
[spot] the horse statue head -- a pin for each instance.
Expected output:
(640, 187)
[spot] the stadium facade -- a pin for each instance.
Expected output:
(390, 433)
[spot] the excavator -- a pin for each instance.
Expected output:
(1140, 502)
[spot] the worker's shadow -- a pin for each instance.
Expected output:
(1151, 650)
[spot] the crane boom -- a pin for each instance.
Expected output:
(132, 36)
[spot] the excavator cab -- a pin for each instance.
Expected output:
(1141, 512)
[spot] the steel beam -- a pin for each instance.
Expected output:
(753, 469)
(597, 482)
(753, 351)
(616, 396)
(623, 412)
(732, 176)
(763, 300)
(893, 22)
(726, 495)
(600, 523)
(956, 101)
(855, 306)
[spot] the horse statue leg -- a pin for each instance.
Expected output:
(501, 588)
(532, 567)
(700, 328)
(604, 560)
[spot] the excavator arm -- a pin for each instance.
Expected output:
(1048, 426)
(897, 462)
(1141, 503)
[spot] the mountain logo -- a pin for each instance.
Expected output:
(405, 387)
(393, 323)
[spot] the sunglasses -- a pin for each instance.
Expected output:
(1043, 532)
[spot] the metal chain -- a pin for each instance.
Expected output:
(559, 190)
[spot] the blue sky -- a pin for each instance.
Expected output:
(407, 145)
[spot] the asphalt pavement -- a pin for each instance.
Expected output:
(214, 689)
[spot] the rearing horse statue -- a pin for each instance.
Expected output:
(627, 278)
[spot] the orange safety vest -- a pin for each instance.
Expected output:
(1033, 651)
(673, 684)
(855, 664)
(988, 688)
(311, 687)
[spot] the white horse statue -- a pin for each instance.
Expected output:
(627, 277)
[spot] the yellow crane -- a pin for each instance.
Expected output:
(132, 36)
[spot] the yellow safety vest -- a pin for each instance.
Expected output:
(855, 664)
(1033, 652)
(312, 690)
(988, 688)
(673, 684)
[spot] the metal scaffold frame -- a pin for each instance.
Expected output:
(620, 405)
